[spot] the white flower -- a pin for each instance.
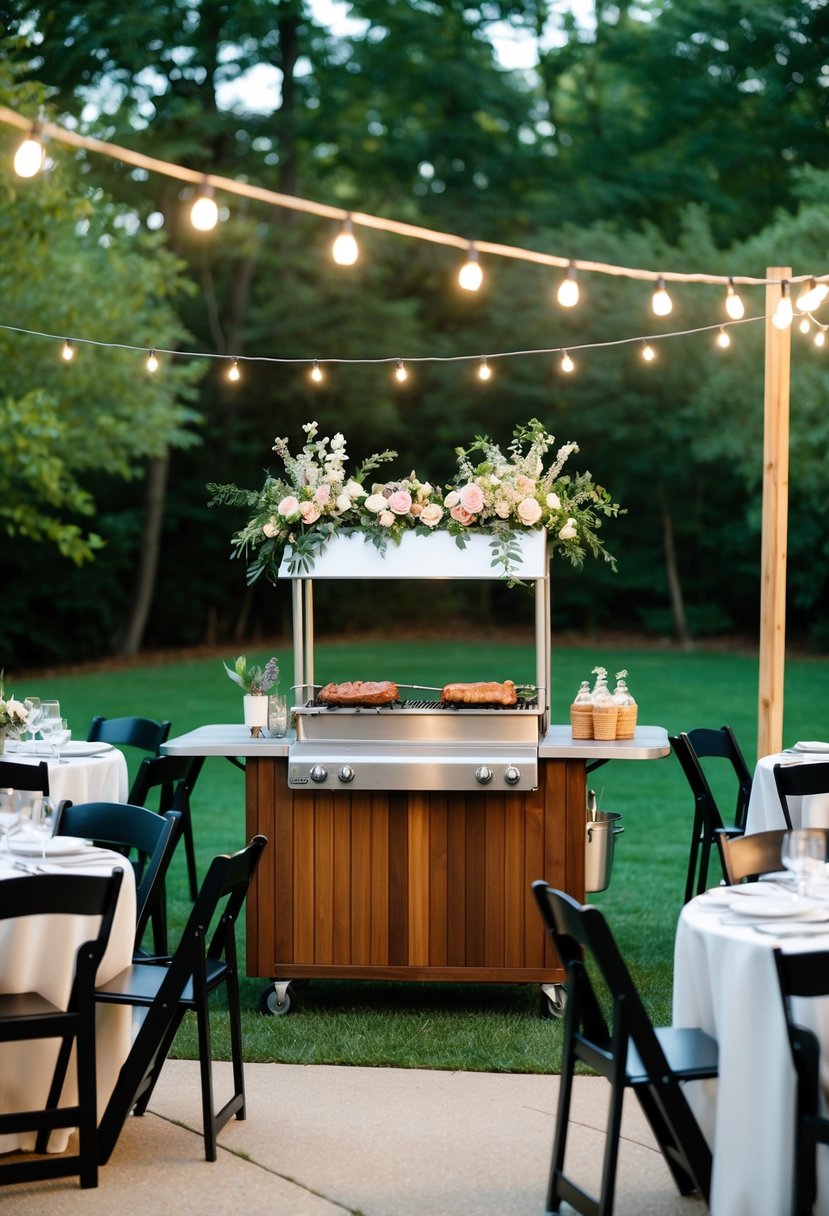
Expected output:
(569, 531)
(503, 506)
(431, 515)
(337, 442)
(554, 502)
(353, 489)
(452, 499)
(271, 528)
(386, 518)
(375, 503)
(288, 506)
(343, 503)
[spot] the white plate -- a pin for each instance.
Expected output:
(51, 846)
(77, 747)
(775, 907)
(811, 746)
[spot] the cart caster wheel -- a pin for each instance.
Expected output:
(275, 1001)
(553, 1000)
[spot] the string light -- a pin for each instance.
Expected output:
(805, 325)
(723, 338)
(484, 370)
(648, 353)
(734, 305)
(568, 288)
(567, 364)
(661, 302)
(204, 214)
(68, 352)
(400, 372)
(345, 249)
(820, 337)
(316, 372)
(30, 155)
(233, 372)
(783, 313)
(152, 362)
(812, 294)
(470, 275)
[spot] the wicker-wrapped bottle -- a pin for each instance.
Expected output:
(581, 713)
(628, 709)
(605, 713)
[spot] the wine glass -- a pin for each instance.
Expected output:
(61, 734)
(35, 710)
(804, 853)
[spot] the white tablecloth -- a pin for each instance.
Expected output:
(725, 982)
(764, 809)
(101, 777)
(37, 953)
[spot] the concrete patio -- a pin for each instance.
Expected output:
(329, 1141)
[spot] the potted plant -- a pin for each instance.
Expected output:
(256, 683)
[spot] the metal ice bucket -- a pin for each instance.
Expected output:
(598, 849)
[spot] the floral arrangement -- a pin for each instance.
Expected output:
(493, 492)
(13, 713)
(256, 681)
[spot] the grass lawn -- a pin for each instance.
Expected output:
(464, 1026)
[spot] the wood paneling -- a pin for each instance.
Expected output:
(419, 885)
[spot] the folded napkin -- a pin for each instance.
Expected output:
(813, 745)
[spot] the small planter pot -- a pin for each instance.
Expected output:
(256, 713)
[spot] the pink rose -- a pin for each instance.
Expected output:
(310, 512)
(472, 498)
(431, 514)
(400, 502)
(529, 512)
(524, 485)
(288, 506)
(461, 515)
(271, 528)
(322, 494)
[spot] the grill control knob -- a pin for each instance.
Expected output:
(346, 773)
(483, 775)
(319, 773)
(512, 775)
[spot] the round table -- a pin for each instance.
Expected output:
(87, 772)
(764, 809)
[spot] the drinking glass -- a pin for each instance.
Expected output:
(61, 734)
(33, 705)
(278, 715)
(804, 853)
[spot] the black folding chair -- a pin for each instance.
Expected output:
(28, 1015)
(30, 777)
(625, 1048)
(690, 748)
(144, 733)
(168, 991)
(804, 975)
(147, 839)
(174, 777)
(800, 781)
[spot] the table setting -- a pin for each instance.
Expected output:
(764, 810)
(725, 982)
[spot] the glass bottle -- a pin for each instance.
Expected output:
(581, 713)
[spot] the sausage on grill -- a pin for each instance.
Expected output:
(483, 693)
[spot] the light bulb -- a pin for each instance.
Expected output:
(233, 372)
(204, 214)
(661, 302)
(734, 305)
(805, 325)
(484, 370)
(812, 295)
(68, 351)
(567, 364)
(568, 288)
(400, 372)
(316, 373)
(29, 157)
(648, 353)
(470, 275)
(820, 337)
(783, 313)
(723, 338)
(152, 362)
(345, 249)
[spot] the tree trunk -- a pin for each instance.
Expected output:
(674, 584)
(131, 635)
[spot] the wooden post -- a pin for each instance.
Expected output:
(775, 524)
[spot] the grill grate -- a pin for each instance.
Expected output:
(532, 705)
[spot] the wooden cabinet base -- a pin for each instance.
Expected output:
(410, 886)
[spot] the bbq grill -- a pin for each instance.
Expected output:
(418, 743)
